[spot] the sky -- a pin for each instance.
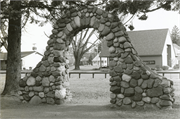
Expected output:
(34, 34)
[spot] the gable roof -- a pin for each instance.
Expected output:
(3, 56)
(146, 42)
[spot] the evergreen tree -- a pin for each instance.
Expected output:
(175, 35)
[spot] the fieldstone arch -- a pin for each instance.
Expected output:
(132, 83)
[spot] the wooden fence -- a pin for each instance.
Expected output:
(97, 72)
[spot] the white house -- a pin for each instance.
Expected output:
(29, 59)
(96, 61)
(154, 47)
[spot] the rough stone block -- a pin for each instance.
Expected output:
(154, 100)
(138, 89)
(124, 84)
(146, 99)
(115, 89)
(35, 100)
(137, 97)
(121, 96)
(31, 81)
(126, 77)
(127, 101)
(136, 75)
(105, 31)
(122, 39)
(165, 103)
(154, 92)
(38, 88)
(110, 36)
(50, 101)
(150, 83)
(45, 81)
(133, 83)
(129, 92)
(118, 69)
(77, 21)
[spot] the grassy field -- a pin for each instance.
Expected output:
(90, 100)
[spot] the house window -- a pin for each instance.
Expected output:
(149, 62)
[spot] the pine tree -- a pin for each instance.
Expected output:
(175, 35)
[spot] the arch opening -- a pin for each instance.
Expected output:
(132, 83)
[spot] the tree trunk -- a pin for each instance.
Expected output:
(77, 62)
(13, 71)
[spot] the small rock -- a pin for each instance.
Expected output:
(144, 84)
(41, 94)
(51, 94)
(119, 102)
(138, 89)
(126, 77)
(154, 92)
(124, 84)
(165, 103)
(140, 81)
(140, 103)
(31, 81)
(121, 96)
(136, 75)
(115, 89)
(50, 100)
(167, 90)
(154, 100)
(137, 97)
(45, 81)
(112, 95)
(129, 92)
(38, 88)
(146, 99)
(126, 101)
(133, 83)
(60, 93)
(133, 105)
(128, 60)
(35, 100)
(52, 79)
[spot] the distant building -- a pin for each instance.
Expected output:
(154, 47)
(29, 59)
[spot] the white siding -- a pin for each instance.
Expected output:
(168, 41)
(31, 60)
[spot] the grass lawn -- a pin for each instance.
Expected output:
(90, 100)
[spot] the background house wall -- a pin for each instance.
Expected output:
(173, 60)
(150, 60)
(31, 60)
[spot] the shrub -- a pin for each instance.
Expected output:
(158, 68)
(176, 66)
(165, 67)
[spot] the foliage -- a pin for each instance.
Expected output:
(175, 35)
(139, 8)
(165, 67)
(176, 66)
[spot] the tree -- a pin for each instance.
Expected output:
(11, 13)
(80, 45)
(175, 35)
(13, 71)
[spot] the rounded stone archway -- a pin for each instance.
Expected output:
(132, 83)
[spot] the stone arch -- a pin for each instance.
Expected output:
(132, 83)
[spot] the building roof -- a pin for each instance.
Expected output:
(146, 42)
(3, 56)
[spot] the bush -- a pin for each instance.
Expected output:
(165, 67)
(158, 68)
(176, 66)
